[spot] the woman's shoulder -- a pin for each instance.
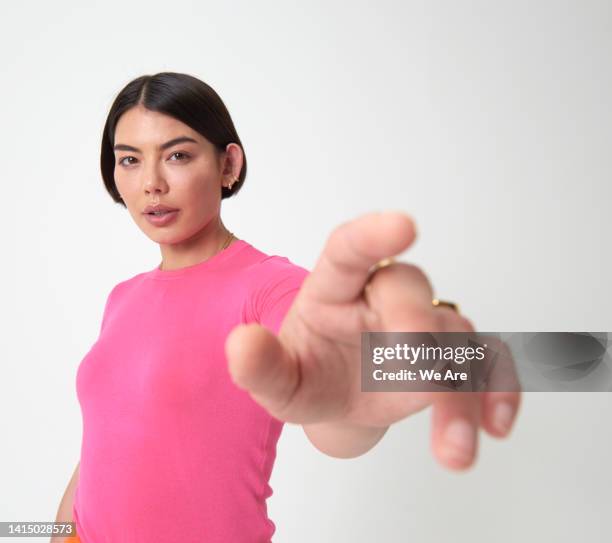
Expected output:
(266, 267)
(272, 281)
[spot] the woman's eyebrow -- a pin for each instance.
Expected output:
(181, 139)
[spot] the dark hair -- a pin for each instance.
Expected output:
(178, 95)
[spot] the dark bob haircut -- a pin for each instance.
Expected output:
(182, 96)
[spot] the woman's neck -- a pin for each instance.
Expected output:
(205, 244)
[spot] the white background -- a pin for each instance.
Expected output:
(489, 122)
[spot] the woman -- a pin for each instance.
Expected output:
(201, 360)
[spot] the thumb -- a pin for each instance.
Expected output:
(260, 364)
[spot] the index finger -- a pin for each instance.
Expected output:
(352, 249)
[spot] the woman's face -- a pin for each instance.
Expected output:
(186, 175)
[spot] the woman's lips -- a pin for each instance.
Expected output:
(163, 218)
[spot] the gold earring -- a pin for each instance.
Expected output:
(233, 181)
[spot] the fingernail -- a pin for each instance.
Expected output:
(502, 416)
(459, 439)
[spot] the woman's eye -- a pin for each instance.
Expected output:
(179, 153)
(125, 158)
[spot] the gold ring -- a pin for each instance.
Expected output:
(442, 303)
(381, 264)
(390, 260)
(378, 266)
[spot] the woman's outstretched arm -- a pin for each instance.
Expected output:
(310, 372)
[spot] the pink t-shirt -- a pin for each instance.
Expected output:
(172, 450)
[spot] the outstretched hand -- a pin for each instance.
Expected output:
(311, 372)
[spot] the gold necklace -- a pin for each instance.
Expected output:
(225, 246)
(226, 242)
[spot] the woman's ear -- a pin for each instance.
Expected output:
(233, 159)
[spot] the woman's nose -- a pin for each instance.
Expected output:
(153, 181)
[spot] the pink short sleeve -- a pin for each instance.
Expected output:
(276, 282)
